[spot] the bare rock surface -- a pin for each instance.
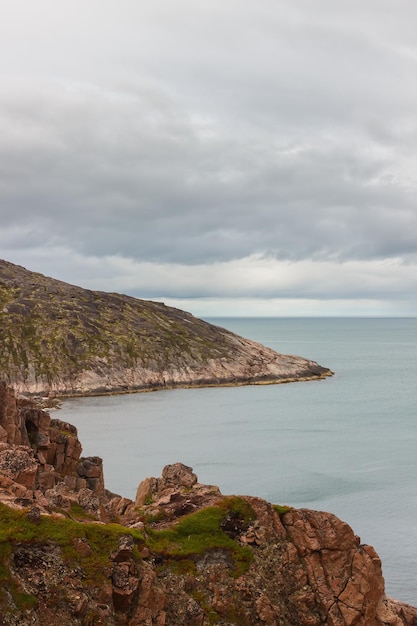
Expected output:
(47, 468)
(181, 554)
(59, 339)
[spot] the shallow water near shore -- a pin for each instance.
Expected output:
(345, 444)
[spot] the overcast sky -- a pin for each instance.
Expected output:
(251, 157)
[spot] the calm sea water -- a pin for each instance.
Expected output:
(345, 444)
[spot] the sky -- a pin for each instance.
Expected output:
(251, 157)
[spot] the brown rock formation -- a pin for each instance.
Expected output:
(40, 458)
(182, 554)
(308, 567)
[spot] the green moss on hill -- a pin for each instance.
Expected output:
(53, 331)
(16, 530)
(211, 528)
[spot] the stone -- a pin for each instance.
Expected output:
(124, 549)
(46, 477)
(12, 421)
(177, 475)
(82, 547)
(146, 491)
(91, 469)
(124, 575)
(89, 501)
(19, 465)
(34, 514)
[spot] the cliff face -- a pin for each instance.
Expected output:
(182, 554)
(60, 339)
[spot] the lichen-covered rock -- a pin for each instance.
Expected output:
(177, 476)
(64, 449)
(18, 464)
(91, 469)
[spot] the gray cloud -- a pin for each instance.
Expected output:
(201, 135)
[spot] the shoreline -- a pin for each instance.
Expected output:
(118, 391)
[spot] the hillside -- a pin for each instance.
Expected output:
(60, 339)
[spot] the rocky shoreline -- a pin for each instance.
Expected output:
(180, 554)
(271, 369)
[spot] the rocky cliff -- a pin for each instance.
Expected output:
(181, 554)
(60, 339)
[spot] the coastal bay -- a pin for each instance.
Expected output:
(345, 444)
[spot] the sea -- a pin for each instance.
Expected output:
(346, 444)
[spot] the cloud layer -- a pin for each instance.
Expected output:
(257, 151)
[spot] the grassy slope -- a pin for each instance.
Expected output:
(51, 330)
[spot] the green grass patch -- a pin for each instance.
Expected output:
(23, 601)
(281, 509)
(204, 603)
(16, 529)
(201, 532)
(78, 513)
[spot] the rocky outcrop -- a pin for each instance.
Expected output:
(58, 339)
(307, 568)
(40, 459)
(181, 554)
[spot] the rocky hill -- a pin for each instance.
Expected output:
(59, 339)
(181, 554)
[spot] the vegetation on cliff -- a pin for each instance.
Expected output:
(88, 549)
(18, 535)
(204, 531)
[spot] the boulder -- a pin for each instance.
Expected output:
(91, 469)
